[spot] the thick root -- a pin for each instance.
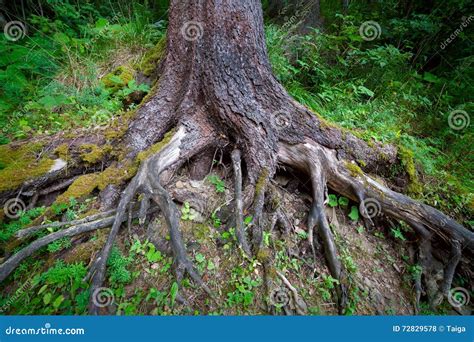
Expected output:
(239, 204)
(375, 199)
(11, 263)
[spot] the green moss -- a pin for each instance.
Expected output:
(261, 182)
(118, 79)
(264, 255)
(80, 188)
(20, 164)
(156, 147)
(115, 132)
(361, 163)
(152, 58)
(62, 151)
(354, 169)
(84, 185)
(408, 162)
(115, 175)
(92, 154)
(83, 251)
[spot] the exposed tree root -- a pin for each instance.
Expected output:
(298, 302)
(147, 181)
(11, 263)
(258, 205)
(426, 221)
(239, 215)
(455, 257)
(23, 233)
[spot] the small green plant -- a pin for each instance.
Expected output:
(398, 234)
(216, 222)
(59, 245)
(332, 200)
(354, 213)
(187, 213)
(326, 285)
(415, 271)
(217, 182)
(118, 267)
(244, 281)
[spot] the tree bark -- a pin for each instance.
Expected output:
(217, 89)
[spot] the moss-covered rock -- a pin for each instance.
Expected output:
(62, 151)
(119, 78)
(92, 154)
(21, 163)
(80, 188)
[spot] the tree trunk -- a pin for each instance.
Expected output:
(217, 89)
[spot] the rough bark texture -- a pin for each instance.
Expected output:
(217, 89)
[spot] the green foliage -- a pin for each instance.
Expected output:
(59, 245)
(58, 290)
(217, 182)
(354, 213)
(334, 201)
(244, 282)
(397, 233)
(187, 213)
(50, 79)
(117, 267)
(326, 286)
(377, 90)
(26, 218)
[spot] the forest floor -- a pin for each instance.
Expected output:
(378, 264)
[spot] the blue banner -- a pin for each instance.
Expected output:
(245, 329)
